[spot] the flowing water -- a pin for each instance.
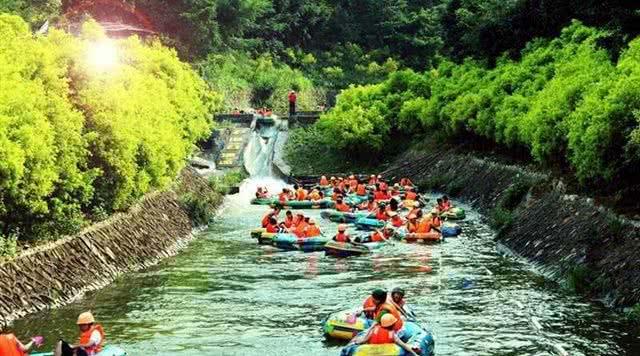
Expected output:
(225, 295)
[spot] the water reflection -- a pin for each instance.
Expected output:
(225, 295)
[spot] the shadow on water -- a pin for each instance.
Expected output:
(225, 295)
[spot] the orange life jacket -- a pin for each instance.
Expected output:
(382, 215)
(288, 222)
(272, 228)
(424, 226)
(296, 221)
(397, 221)
(380, 195)
(343, 207)
(391, 309)
(283, 197)
(311, 231)
(265, 219)
(411, 196)
(361, 190)
(324, 182)
(86, 336)
(9, 346)
(377, 236)
(299, 231)
(342, 237)
(369, 303)
(301, 194)
(380, 335)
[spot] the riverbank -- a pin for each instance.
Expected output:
(580, 244)
(56, 274)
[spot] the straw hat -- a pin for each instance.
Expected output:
(86, 318)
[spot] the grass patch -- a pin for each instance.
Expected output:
(222, 184)
(200, 210)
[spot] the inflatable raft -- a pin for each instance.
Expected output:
(345, 325)
(339, 216)
(454, 214)
(291, 242)
(307, 204)
(450, 230)
(263, 237)
(106, 351)
(263, 201)
(419, 339)
(369, 224)
(346, 249)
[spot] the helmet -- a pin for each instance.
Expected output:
(342, 227)
(387, 320)
(398, 290)
(86, 318)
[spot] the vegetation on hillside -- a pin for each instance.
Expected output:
(78, 140)
(565, 101)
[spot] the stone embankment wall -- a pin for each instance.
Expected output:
(55, 274)
(567, 235)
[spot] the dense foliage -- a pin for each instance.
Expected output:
(78, 139)
(565, 101)
(255, 83)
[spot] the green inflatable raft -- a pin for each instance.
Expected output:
(307, 204)
(263, 201)
(454, 214)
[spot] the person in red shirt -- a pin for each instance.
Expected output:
(273, 213)
(11, 346)
(284, 196)
(301, 227)
(292, 103)
(380, 194)
(406, 182)
(272, 225)
(446, 203)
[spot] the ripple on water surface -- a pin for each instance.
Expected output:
(224, 295)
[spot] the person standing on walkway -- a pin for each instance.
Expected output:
(292, 102)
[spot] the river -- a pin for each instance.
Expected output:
(225, 295)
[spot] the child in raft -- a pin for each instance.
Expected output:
(384, 333)
(10, 345)
(262, 193)
(90, 342)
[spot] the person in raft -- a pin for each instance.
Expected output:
(376, 306)
(262, 193)
(341, 206)
(383, 333)
(90, 342)
(11, 346)
(342, 235)
(396, 298)
(312, 230)
(446, 202)
(273, 213)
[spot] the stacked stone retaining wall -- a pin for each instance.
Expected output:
(57, 273)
